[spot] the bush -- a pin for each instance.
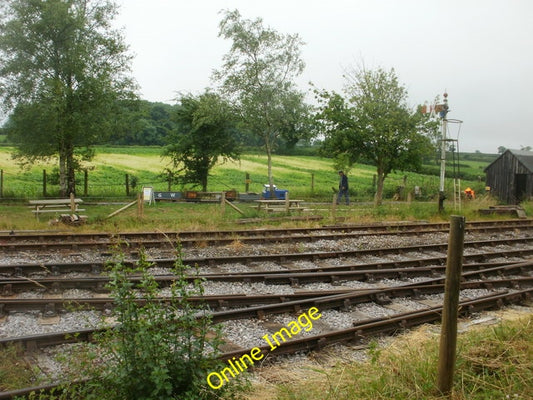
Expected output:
(157, 350)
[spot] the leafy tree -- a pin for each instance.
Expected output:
(298, 122)
(375, 123)
(146, 124)
(205, 133)
(258, 76)
(63, 70)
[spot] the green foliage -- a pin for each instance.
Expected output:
(205, 135)
(157, 350)
(374, 123)
(14, 372)
(63, 72)
(144, 124)
(492, 363)
(258, 76)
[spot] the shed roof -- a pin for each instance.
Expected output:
(525, 157)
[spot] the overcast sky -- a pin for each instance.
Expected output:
(479, 51)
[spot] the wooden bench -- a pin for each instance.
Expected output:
(505, 209)
(55, 206)
(279, 205)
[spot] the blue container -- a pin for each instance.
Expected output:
(279, 194)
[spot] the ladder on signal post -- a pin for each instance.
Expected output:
(456, 193)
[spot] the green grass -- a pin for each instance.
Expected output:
(492, 363)
(15, 372)
(306, 177)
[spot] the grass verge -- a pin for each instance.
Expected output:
(492, 363)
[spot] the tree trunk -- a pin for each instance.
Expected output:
(269, 170)
(62, 172)
(379, 188)
(71, 170)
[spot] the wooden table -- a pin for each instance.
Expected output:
(279, 205)
(55, 206)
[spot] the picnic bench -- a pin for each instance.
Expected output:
(55, 206)
(273, 205)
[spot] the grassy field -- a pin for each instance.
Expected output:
(310, 178)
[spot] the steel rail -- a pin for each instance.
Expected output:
(294, 278)
(18, 242)
(388, 325)
(360, 330)
(40, 235)
(336, 300)
(97, 267)
(52, 306)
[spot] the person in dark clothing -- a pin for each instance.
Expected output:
(343, 188)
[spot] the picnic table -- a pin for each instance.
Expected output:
(273, 205)
(69, 205)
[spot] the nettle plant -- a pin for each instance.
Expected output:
(160, 348)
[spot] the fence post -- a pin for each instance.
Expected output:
(44, 183)
(85, 182)
(450, 310)
(334, 207)
(312, 182)
(169, 181)
(222, 202)
(247, 183)
(127, 185)
(1, 183)
(140, 206)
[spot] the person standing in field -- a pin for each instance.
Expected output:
(343, 188)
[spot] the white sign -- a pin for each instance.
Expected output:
(148, 194)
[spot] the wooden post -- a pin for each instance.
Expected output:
(85, 182)
(121, 209)
(127, 185)
(44, 183)
(1, 183)
(312, 182)
(72, 202)
(223, 202)
(450, 310)
(140, 206)
(247, 183)
(287, 202)
(334, 207)
(169, 181)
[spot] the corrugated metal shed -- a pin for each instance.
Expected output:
(510, 176)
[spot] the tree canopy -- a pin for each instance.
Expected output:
(258, 76)
(373, 121)
(63, 71)
(204, 134)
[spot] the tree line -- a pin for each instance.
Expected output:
(65, 84)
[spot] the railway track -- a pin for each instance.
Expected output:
(95, 268)
(496, 271)
(265, 305)
(334, 275)
(15, 241)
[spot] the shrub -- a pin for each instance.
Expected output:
(157, 350)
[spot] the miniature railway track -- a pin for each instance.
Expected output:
(257, 305)
(50, 241)
(489, 264)
(334, 275)
(97, 267)
(358, 332)
(275, 304)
